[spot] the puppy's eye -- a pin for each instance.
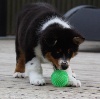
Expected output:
(58, 52)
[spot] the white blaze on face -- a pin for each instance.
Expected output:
(60, 61)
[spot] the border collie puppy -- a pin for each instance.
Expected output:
(43, 36)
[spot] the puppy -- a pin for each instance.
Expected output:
(44, 36)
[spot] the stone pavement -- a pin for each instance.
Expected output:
(86, 65)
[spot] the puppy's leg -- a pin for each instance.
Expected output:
(72, 79)
(20, 61)
(20, 64)
(34, 70)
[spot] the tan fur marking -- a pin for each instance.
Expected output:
(74, 53)
(51, 59)
(20, 66)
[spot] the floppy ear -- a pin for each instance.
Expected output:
(78, 40)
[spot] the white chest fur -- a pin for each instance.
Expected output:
(39, 55)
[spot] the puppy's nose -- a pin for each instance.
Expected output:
(64, 66)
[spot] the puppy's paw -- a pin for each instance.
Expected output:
(37, 80)
(73, 82)
(19, 75)
(78, 83)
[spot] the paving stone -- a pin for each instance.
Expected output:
(86, 65)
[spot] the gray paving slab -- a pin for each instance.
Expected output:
(86, 65)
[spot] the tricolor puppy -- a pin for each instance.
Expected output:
(43, 36)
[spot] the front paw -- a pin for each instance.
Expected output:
(37, 80)
(78, 83)
(19, 75)
(73, 82)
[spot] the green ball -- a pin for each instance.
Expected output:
(59, 78)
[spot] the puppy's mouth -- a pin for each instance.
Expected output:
(63, 66)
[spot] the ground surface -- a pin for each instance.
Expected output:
(86, 66)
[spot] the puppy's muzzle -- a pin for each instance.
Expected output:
(64, 66)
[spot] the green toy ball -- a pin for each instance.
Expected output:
(59, 78)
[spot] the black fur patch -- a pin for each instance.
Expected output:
(53, 38)
(64, 38)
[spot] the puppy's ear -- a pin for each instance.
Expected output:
(78, 40)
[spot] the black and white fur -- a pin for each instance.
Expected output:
(44, 36)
